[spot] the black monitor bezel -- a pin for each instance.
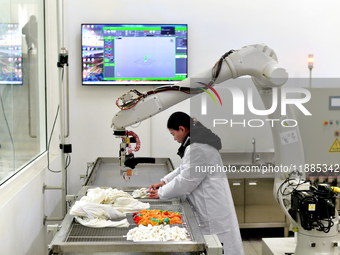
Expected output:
(97, 84)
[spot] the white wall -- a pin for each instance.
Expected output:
(22, 202)
(293, 29)
(22, 210)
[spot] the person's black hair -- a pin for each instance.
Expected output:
(178, 119)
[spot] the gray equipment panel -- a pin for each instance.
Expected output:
(321, 131)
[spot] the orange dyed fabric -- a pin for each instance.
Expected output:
(156, 217)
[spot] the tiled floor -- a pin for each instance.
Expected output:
(252, 239)
(252, 246)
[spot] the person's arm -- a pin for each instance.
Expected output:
(156, 186)
(189, 178)
(170, 176)
(153, 189)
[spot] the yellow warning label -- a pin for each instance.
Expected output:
(282, 118)
(311, 207)
(335, 146)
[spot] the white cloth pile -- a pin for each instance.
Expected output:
(97, 215)
(104, 196)
(93, 210)
(140, 193)
(157, 233)
(100, 206)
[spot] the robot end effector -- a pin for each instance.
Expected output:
(126, 157)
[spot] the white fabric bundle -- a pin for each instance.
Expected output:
(93, 210)
(129, 205)
(104, 196)
(99, 206)
(100, 223)
(119, 199)
(140, 193)
(157, 233)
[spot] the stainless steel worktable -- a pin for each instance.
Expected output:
(73, 238)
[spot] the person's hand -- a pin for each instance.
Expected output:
(156, 186)
(153, 190)
(153, 194)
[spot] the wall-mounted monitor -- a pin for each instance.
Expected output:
(10, 54)
(134, 54)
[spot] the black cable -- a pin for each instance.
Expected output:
(219, 64)
(67, 161)
(68, 158)
(330, 223)
(9, 130)
(296, 186)
(133, 102)
(279, 189)
(289, 185)
(49, 142)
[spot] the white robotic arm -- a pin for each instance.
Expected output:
(258, 61)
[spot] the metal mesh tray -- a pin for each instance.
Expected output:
(81, 233)
(77, 239)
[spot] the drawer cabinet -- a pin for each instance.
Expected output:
(255, 203)
(237, 191)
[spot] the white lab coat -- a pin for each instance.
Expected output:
(209, 193)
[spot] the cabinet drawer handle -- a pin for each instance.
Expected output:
(236, 183)
(252, 183)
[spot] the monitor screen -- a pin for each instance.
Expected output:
(134, 54)
(10, 54)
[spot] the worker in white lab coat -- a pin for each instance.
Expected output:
(201, 178)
